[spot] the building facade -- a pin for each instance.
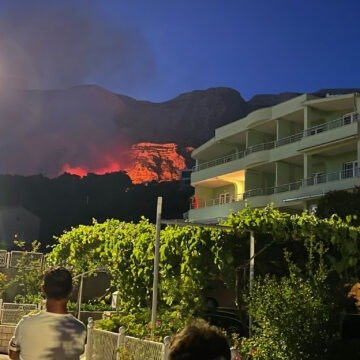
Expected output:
(289, 155)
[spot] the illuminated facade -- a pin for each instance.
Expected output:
(288, 155)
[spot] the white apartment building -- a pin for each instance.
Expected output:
(289, 155)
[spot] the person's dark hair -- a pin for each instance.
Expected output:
(58, 283)
(199, 341)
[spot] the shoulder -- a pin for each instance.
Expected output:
(30, 317)
(79, 324)
(28, 320)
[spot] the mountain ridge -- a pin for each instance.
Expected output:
(89, 126)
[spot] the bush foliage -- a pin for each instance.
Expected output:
(293, 316)
(191, 257)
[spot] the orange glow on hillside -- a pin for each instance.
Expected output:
(155, 162)
(76, 170)
(149, 162)
(82, 171)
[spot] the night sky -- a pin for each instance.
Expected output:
(156, 49)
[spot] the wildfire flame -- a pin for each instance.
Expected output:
(83, 171)
(149, 162)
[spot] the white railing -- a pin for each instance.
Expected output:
(11, 313)
(335, 176)
(10, 259)
(313, 180)
(220, 200)
(273, 190)
(33, 259)
(222, 160)
(333, 124)
(106, 345)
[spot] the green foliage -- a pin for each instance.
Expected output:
(126, 250)
(341, 202)
(69, 200)
(4, 283)
(90, 306)
(295, 232)
(29, 275)
(137, 323)
(188, 263)
(191, 257)
(293, 316)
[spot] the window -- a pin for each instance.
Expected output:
(347, 119)
(349, 169)
(318, 178)
(317, 130)
(224, 198)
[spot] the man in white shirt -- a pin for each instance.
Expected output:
(53, 334)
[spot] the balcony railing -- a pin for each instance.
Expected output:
(311, 181)
(273, 190)
(345, 120)
(314, 180)
(221, 200)
(219, 161)
(335, 176)
(333, 124)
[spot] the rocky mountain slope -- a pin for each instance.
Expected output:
(90, 129)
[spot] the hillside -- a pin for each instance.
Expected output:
(90, 129)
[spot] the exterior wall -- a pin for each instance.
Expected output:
(224, 189)
(253, 180)
(286, 128)
(255, 137)
(323, 150)
(336, 162)
(6, 333)
(287, 173)
(204, 193)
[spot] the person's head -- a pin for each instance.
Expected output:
(199, 341)
(57, 284)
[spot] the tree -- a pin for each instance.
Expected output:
(343, 203)
(191, 257)
(293, 316)
(126, 250)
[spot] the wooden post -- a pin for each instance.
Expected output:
(251, 271)
(166, 347)
(156, 264)
(89, 341)
(120, 342)
(80, 295)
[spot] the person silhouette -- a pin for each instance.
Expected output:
(53, 334)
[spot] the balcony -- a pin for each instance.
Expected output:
(335, 176)
(221, 200)
(300, 185)
(273, 190)
(345, 120)
(330, 125)
(314, 180)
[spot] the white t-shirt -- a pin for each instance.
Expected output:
(49, 336)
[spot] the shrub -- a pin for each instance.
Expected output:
(293, 317)
(137, 323)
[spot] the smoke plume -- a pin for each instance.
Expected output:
(56, 45)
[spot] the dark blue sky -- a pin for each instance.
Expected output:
(174, 46)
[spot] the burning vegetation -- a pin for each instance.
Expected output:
(146, 162)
